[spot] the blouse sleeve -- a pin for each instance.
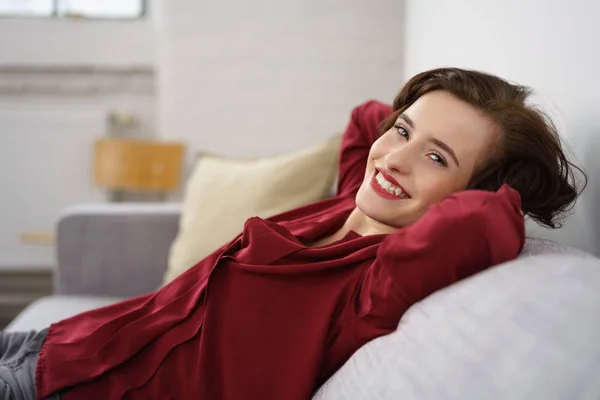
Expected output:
(361, 132)
(462, 235)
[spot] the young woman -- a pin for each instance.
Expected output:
(431, 190)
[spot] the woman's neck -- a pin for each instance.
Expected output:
(360, 223)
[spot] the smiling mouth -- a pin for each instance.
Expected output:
(390, 187)
(382, 186)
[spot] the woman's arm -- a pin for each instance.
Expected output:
(360, 134)
(464, 234)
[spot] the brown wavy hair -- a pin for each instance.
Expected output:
(528, 154)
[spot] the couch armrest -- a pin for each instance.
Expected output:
(115, 249)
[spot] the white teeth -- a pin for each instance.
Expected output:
(389, 187)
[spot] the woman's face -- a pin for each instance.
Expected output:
(431, 152)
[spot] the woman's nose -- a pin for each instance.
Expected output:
(399, 160)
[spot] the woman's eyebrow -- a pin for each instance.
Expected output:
(446, 148)
(435, 141)
(408, 120)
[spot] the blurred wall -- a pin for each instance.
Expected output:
(551, 46)
(58, 80)
(263, 77)
(59, 41)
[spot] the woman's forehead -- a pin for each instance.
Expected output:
(444, 117)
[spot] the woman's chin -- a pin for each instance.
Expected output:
(397, 214)
(376, 213)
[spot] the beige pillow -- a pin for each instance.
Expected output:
(222, 193)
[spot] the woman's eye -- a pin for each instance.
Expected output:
(401, 131)
(438, 159)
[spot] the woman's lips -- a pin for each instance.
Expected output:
(391, 180)
(381, 191)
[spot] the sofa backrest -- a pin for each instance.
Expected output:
(527, 329)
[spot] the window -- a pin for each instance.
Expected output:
(34, 8)
(112, 9)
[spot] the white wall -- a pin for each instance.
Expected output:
(46, 145)
(262, 77)
(58, 80)
(551, 46)
(50, 41)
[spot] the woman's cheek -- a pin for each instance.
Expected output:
(434, 191)
(380, 147)
(437, 193)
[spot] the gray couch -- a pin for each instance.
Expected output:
(104, 253)
(527, 329)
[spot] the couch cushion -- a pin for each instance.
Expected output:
(534, 246)
(47, 310)
(222, 193)
(527, 329)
